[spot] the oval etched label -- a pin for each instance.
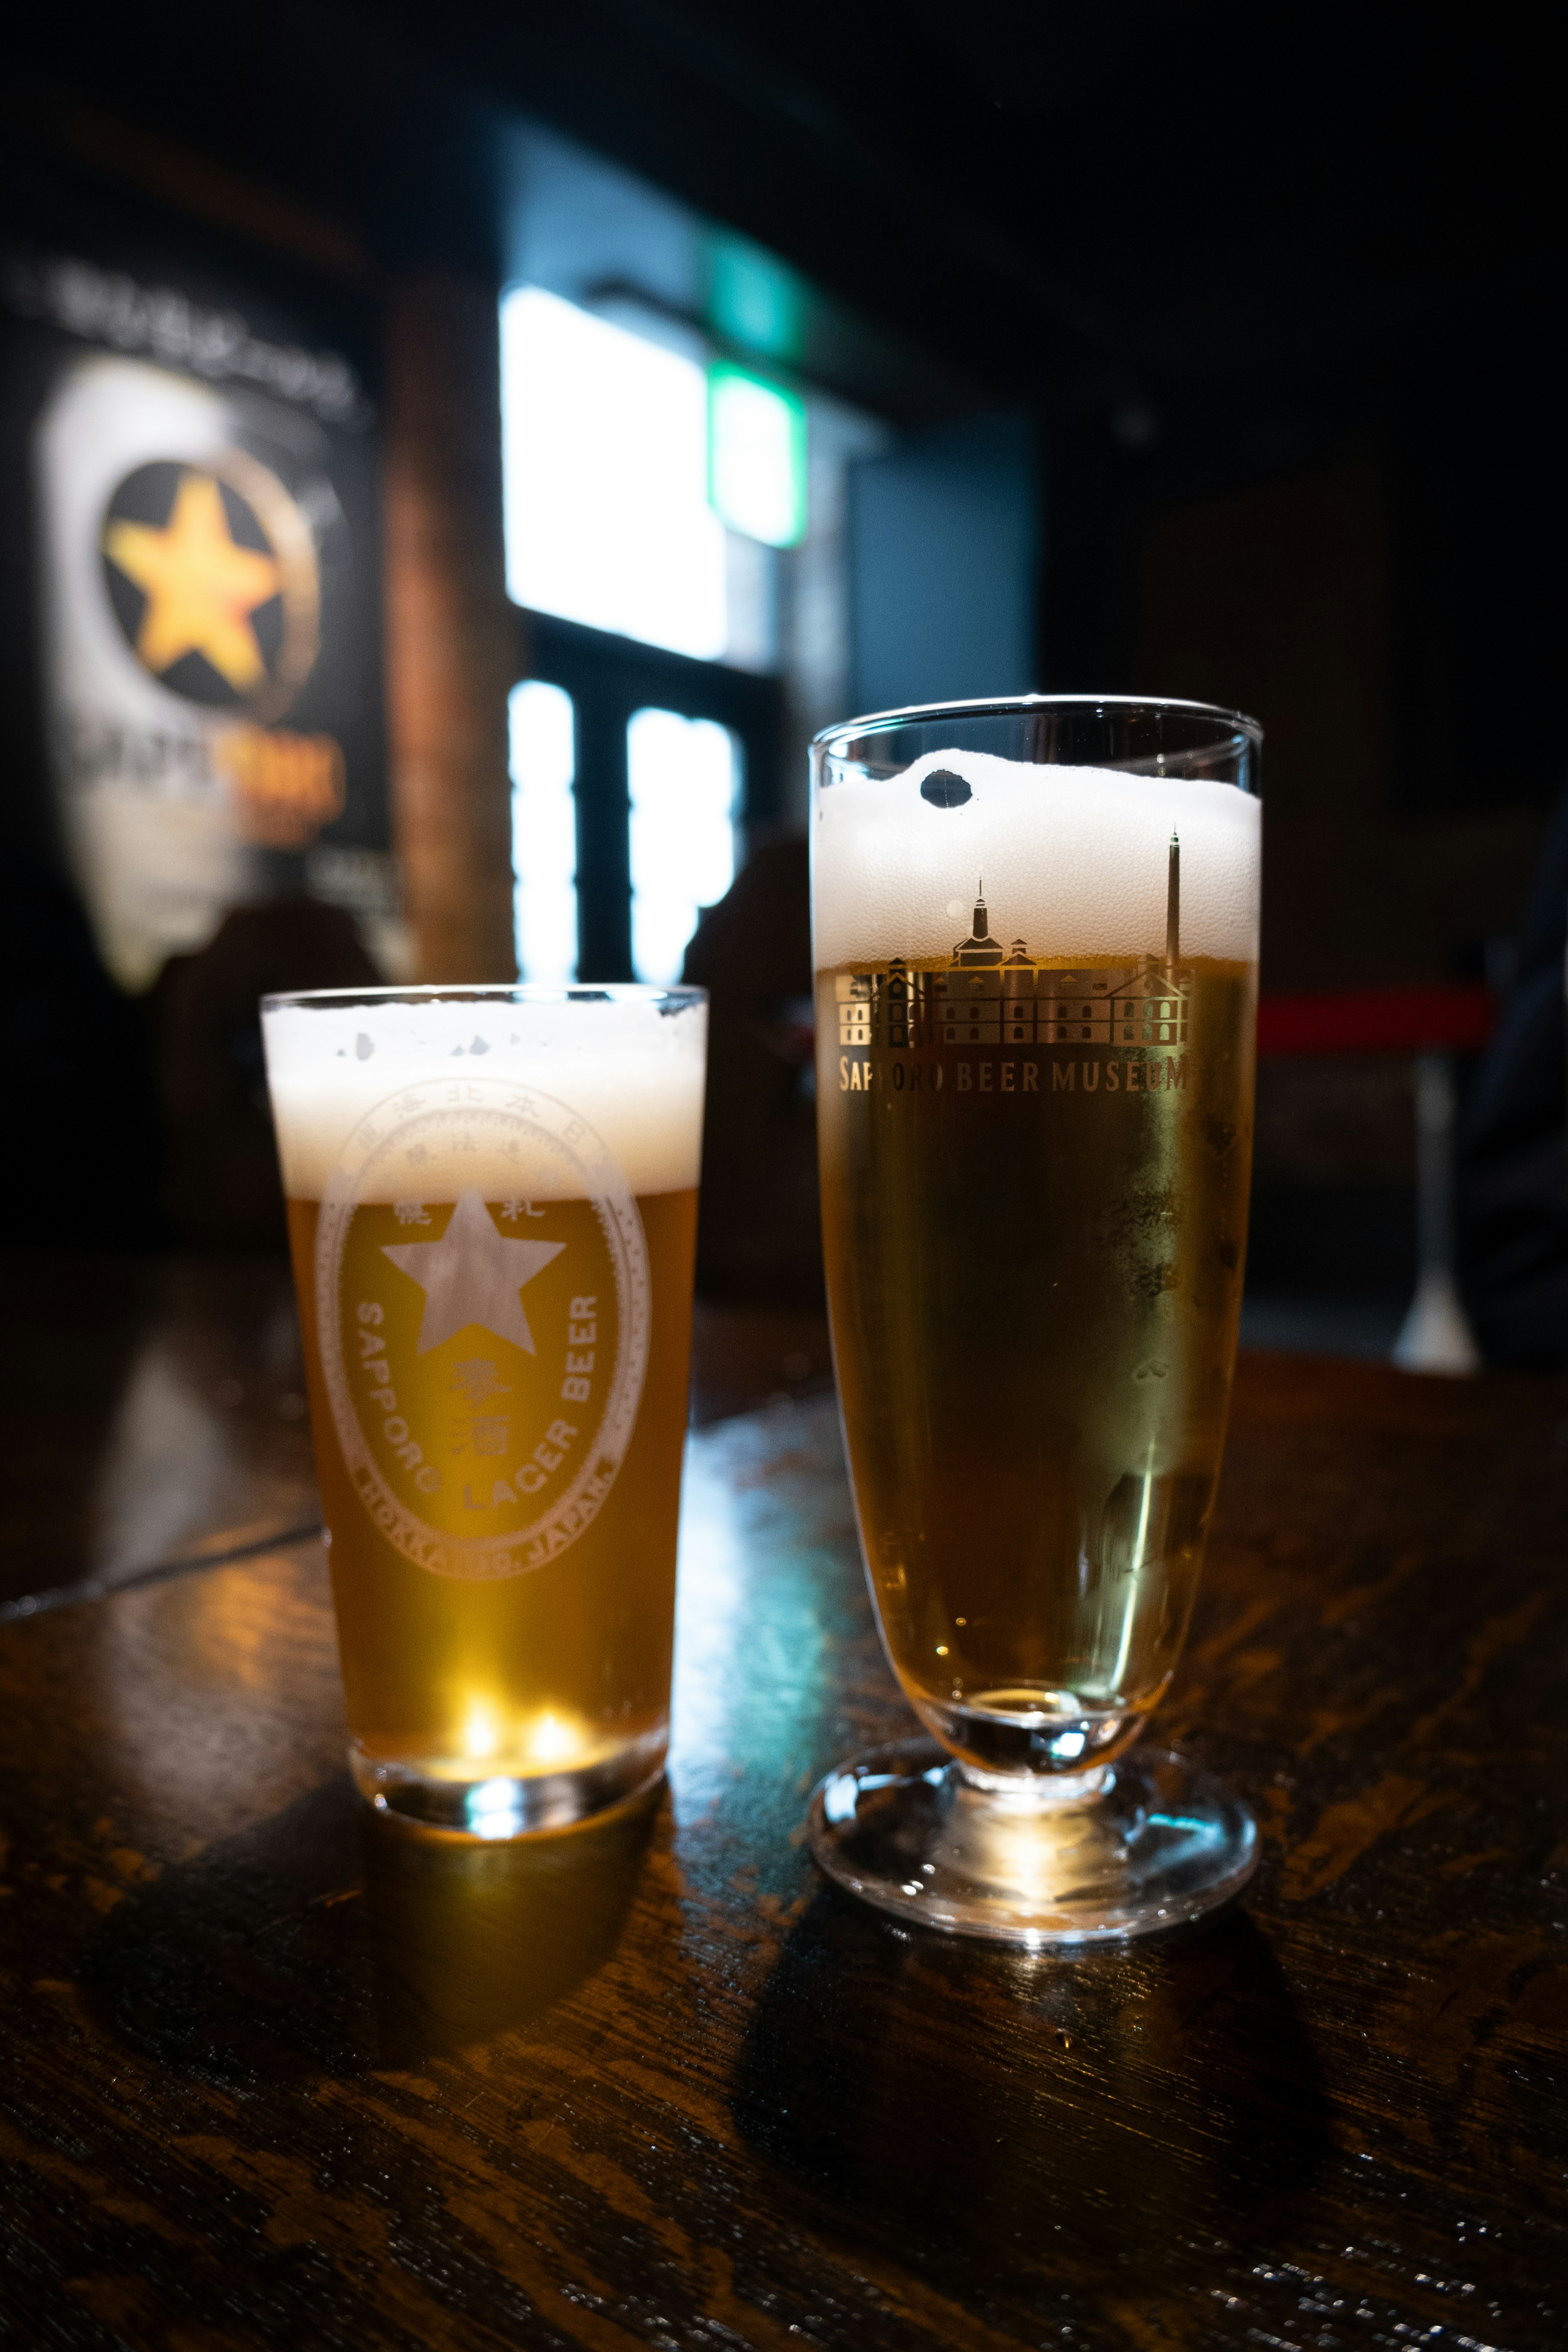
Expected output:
(484, 1357)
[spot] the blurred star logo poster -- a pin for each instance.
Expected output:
(208, 615)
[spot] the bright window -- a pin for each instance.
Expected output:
(684, 779)
(544, 830)
(605, 438)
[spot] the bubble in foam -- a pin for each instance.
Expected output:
(1075, 861)
(630, 1070)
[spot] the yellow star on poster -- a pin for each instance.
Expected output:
(201, 587)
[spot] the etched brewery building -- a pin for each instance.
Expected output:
(994, 995)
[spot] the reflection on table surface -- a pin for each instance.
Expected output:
(159, 1409)
(278, 2072)
(155, 1410)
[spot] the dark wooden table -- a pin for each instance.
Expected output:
(274, 2077)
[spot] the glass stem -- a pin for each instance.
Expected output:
(1031, 1793)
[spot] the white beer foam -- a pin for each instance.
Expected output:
(1075, 861)
(632, 1073)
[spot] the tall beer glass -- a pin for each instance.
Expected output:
(1035, 928)
(492, 1208)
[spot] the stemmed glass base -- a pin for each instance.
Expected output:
(1074, 1858)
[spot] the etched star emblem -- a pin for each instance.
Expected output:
(473, 1274)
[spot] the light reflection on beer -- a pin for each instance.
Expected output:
(544, 1740)
(553, 1739)
(481, 1733)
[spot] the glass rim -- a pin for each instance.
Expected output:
(495, 992)
(1014, 706)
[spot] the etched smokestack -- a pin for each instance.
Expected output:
(1173, 904)
(980, 948)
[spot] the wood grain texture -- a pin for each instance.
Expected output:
(276, 2077)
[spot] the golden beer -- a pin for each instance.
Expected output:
(1036, 945)
(497, 1335)
(1035, 1253)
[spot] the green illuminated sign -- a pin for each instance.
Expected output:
(755, 299)
(757, 456)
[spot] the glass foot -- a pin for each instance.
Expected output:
(1086, 1857)
(502, 1804)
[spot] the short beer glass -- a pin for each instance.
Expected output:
(492, 1209)
(1035, 942)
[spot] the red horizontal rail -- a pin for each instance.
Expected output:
(1454, 1018)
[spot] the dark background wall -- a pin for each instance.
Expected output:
(1221, 345)
(1277, 292)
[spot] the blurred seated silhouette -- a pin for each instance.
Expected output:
(759, 1240)
(221, 1187)
(1513, 1143)
(82, 1170)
